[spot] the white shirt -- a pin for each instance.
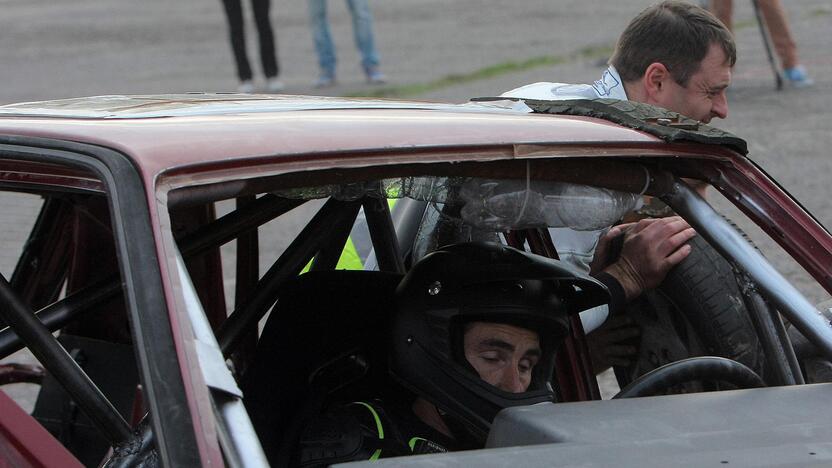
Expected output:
(577, 247)
(609, 86)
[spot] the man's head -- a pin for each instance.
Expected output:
(678, 56)
(477, 325)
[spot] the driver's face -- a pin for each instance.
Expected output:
(503, 355)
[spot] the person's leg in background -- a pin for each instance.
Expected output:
(723, 10)
(323, 43)
(236, 32)
(265, 37)
(784, 44)
(362, 28)
(780, 33)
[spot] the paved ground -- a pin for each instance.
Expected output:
(90, 47)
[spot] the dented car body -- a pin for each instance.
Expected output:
(165, 228)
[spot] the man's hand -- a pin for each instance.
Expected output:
(651, 248)
(611, 344)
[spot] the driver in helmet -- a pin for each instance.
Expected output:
(475, 329)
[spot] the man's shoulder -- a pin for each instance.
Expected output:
(553, 91)
(608, 86)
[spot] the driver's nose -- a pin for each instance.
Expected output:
(510, 380)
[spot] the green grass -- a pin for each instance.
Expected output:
(491, 71)
(745, 24)
(822, 11)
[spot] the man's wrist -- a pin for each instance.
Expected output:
(623, 272)
(618, 300)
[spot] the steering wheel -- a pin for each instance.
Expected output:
(695, 368)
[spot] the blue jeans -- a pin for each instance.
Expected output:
(362, 28)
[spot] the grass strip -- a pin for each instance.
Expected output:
(491, 71)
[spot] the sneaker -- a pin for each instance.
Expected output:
(797, 77)
(245, 87)
(324, 81)
(273, 85)
(374, 76)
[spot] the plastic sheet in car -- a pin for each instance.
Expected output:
(494, 205)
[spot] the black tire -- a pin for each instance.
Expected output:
(698, 310)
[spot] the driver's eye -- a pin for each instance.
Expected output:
(492, 357)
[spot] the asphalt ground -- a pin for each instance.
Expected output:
(430, 49)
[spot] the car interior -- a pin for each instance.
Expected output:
(297, 328)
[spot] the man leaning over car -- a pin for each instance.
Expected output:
(674, 55)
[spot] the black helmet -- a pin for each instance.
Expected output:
(481, 282)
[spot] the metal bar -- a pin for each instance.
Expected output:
(725, 239)
(540, 241)
(327, 258)
(41, 269)
(16, 373)
(290, 263)
(252, 215)
(788, 348)
(236, 433)
(65, 370)
(776, 361)
(383, 235)
(58, 314)
(247, 274)
(256, 213)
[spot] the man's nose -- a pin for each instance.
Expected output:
(720, 106)
(511, 382)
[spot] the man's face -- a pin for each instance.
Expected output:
(704, 96)
(503, 355)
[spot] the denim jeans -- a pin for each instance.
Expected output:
(362, 28)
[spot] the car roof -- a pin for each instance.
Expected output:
(162, 132)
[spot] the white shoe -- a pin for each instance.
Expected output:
(245, 87)
(273, 85)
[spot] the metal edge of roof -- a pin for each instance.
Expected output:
(114, 107)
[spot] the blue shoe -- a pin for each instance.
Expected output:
(374, 76)
(797, 77)
(325, 80)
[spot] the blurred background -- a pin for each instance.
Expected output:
(428, 50)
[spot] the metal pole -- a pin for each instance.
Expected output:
(290, 263)
(728, 242)
(59, 363)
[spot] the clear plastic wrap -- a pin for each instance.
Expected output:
(495, 205)
(498, 205)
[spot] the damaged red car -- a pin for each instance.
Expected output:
(177, 278)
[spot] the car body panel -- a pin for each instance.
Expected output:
(24, 442)
(160, 154)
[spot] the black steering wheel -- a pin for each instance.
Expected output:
(696, 368)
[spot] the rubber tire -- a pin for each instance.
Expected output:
(698, 310)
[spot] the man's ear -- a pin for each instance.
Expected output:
(655, 80)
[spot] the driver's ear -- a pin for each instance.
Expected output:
(655, 81)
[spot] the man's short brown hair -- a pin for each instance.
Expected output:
(676, 34)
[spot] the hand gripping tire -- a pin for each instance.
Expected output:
(699, 309)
